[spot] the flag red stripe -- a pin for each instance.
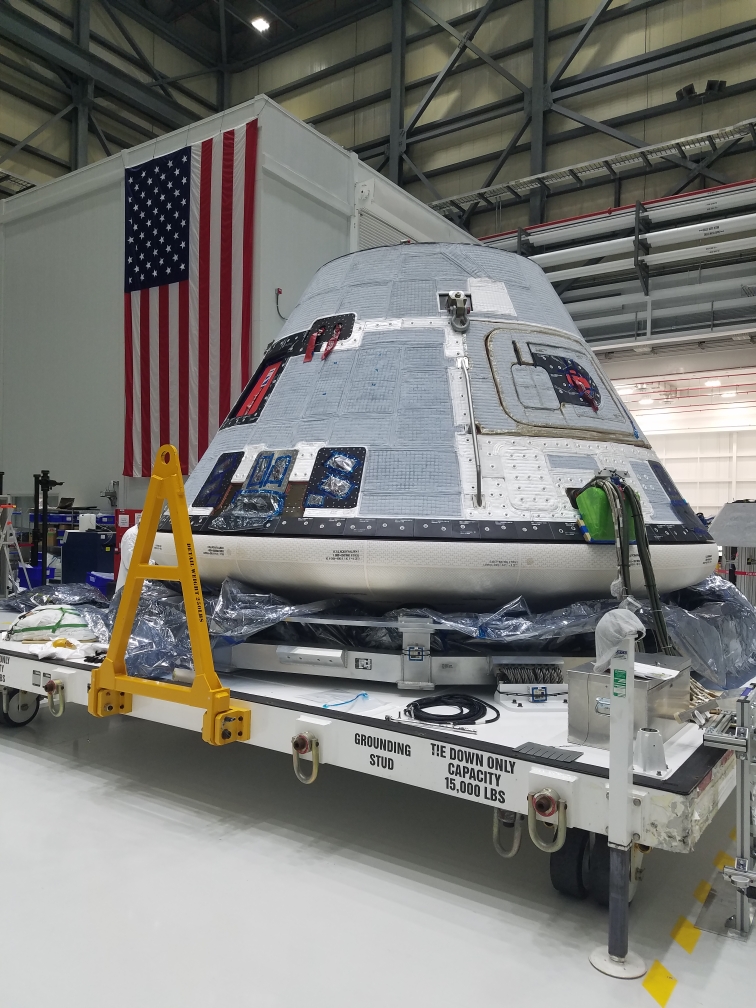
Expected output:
(183, 374)
(226, 277)
(203, 321)
(164, 359)
(188, 343)
(128, 441)
(144, 379)
(250, 165)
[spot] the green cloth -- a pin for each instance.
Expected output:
(597, 515)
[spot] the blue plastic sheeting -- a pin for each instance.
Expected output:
(712, 624)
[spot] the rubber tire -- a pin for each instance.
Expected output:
(598, 870)
(568, 865)
(16, 718)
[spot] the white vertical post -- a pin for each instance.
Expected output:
(615, 959)
(621, 737)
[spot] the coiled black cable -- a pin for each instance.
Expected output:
(470, 710)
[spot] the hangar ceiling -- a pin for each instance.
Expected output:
(107, 87)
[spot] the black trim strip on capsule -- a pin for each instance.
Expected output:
(439, 529)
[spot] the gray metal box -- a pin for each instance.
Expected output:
(662, 689)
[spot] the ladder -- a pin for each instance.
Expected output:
(9, 541)
(736, 731)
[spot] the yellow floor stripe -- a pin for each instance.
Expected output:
(659, 983)
(734, 833)
(686, 934)
(702, 891)
(723, 860)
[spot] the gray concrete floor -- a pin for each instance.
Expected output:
(144, 868)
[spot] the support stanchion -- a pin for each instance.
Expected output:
(112, 688)
(615, 959)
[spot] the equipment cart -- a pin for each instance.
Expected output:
(514, 754)
(498, 764)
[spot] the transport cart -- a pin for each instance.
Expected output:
(497, 764)
(518, 760)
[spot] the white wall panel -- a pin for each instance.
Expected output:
(710, 467)
(62, 332)
(61, 287)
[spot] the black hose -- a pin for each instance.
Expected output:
(616, 494)
(644, 553)
(470, 710)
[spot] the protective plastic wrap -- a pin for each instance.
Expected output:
(712, 624)
(249, 511)
(159, 640)
(241, 610)
(513, 627)
(54, 594)
(50, 622)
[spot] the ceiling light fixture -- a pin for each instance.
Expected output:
(260, 23)
(728, 395)
(712, 383)
(645, 402)
(625, 389)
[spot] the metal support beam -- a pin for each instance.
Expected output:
(82, 90)
(81, 23)
(48, 107)
(564, 136)
(518, 199)
(502, 160)
(428, 185)
(632, 141)
(181, 10)
(565, 31)
(275, 12)
(109, 46)
(441, 76)
(20, 144)
(145, 17)
(35, 151)
(397, 137)
(224, 79)
(471, 46)
(296, 39)
(33, 37)
(147, 65)
(630, 69)
(180, 77)
(539, 101)
(656, 60)
(694, 173)
(100, 136)
(579, 42)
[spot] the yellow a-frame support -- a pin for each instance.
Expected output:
(112, 688)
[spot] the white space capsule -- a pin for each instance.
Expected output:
(381, 453)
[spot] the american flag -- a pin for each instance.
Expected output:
(188, 294)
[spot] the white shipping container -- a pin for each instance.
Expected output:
(61, 284)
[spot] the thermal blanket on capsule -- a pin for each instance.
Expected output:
(348, 465)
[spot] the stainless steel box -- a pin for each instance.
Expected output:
(662, 689)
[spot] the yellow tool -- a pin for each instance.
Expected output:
(112, 689)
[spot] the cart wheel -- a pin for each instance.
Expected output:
(22, 708)
(568, 867)
(598, 870)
